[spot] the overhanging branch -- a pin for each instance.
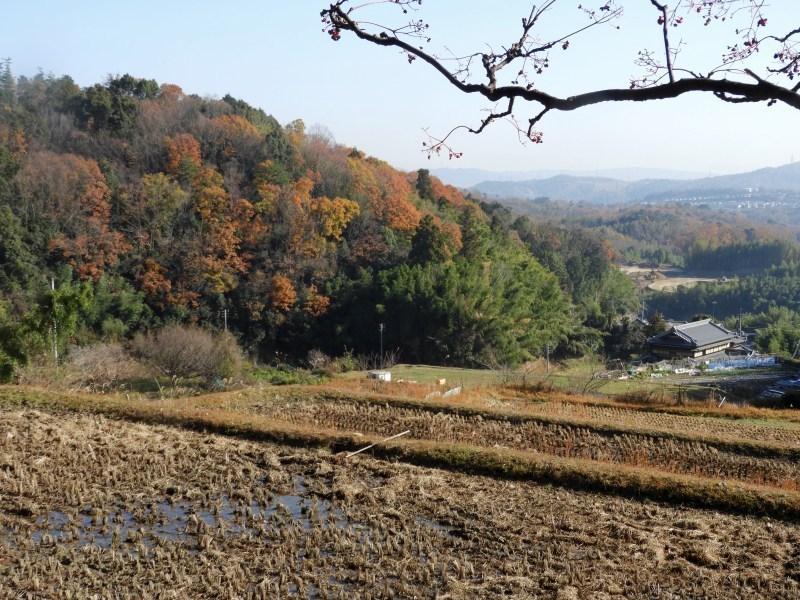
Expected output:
(716, 83)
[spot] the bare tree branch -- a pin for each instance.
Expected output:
(664, 80)
(664, 20)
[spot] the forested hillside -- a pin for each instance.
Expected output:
(755, 261)
(129, 204)
(679, 234)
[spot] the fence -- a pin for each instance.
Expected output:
(743, 363)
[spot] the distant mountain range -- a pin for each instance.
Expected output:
(467, 178)
(608, 190)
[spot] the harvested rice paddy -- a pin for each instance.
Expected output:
(97, 498)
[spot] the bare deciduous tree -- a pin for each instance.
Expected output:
(184, 352)
(507, 75)
(99, 367)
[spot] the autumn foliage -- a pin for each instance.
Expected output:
(316, 304)
(180, 209)
(282, 294)
(182, 151)
(91, 246)
(14, 140)
(386, 191)
(218, 259)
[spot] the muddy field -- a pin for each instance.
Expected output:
(92, 507)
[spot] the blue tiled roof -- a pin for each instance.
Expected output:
(693, 335)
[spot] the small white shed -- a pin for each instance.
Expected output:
(380, 375)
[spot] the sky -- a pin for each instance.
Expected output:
(274, 55)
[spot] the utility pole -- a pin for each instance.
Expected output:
(55, 323)
(547, 350)
(225, 318)
(381, 327)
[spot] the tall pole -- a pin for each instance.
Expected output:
(225, 317)
(643, 307)
(55, 324)
(380, 329)
(547, 348)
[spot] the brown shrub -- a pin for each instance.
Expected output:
(317, 359)
(181, 351)
(99, 367)
(645, 397)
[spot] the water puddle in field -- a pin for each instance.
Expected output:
(435, 526)
(183, 521)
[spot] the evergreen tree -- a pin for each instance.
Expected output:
(8, 85)
(428, 243)
(424, 185)
(475, 233)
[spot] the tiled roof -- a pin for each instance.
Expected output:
(693, 335)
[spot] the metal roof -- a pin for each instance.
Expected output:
(693, 335)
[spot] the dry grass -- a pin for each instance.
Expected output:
(99, 507)
(656, 400)
(732, 473)
(774, 465)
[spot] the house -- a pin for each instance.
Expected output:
(693, 340)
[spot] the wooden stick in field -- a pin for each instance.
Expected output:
(391, 437)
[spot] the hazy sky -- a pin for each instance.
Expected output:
(274, 55)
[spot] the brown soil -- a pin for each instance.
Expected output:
(670, 284)
(666, 280)
(91, 506)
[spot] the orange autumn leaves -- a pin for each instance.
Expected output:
(387, 192)
(281, 298)
(217, 259)
(195, 229)
(230, 230)
(65, 184)
(317, 221)
(182, 150)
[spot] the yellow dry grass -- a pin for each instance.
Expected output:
(669, 457)
(98, 507)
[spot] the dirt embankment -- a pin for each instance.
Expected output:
(664, 280)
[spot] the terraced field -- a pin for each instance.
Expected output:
(774, 465)
(92, 506)
(253, 494)
(777, 431)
